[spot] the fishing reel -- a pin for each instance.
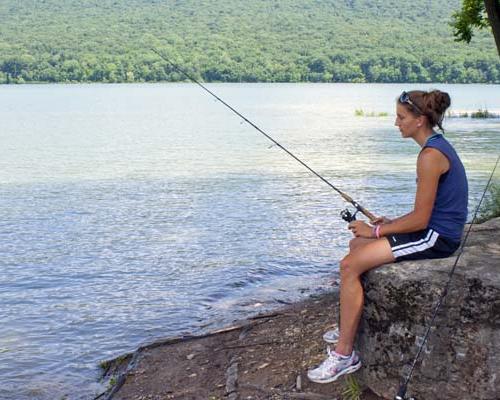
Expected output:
(348, 216)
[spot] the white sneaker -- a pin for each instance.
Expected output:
(332, 336)
(334, 367)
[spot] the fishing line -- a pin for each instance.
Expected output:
(345, 214)
(401, 394)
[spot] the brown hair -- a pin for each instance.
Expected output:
(432, 104)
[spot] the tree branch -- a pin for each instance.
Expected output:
(493, 10)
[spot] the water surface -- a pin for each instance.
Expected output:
(133, 212)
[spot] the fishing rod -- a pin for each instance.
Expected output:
(401, 394)
(345, 214)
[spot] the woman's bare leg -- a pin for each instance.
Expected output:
(359, 242)
(364, 256)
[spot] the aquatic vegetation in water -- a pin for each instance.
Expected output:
(359, 112)
(483, 114)
(473, 114)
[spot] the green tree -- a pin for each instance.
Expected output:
(234, 40)
(72, 70)
(477, 14)
(16, 67)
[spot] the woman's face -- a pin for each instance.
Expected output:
(407, 122)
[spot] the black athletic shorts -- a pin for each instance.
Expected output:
(421, 245)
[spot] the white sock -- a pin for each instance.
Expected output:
(342, 356)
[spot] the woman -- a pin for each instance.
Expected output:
(432, 230)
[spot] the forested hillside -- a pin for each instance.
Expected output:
(239, 40)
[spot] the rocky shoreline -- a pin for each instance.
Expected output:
(264, 357)
(267, 356)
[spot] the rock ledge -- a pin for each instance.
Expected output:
(462, 357)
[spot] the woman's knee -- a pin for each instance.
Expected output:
(347, 269)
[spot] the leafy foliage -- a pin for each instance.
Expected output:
(472, 14)
(237, 40)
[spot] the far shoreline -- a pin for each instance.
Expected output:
(247, 83)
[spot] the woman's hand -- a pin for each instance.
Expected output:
(381, 220)
(361, 229)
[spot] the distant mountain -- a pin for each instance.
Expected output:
(239, 40)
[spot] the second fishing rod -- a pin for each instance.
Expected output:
(345, 214)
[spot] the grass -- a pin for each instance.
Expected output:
(491, 207)
(104, 365)
(352, 390)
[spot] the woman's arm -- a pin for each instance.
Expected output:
(431, 164)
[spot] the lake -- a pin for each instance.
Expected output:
(140, 211)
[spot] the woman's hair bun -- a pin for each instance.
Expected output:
(437, 101)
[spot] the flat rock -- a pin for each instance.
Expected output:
(462, 357)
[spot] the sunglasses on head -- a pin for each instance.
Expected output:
(405, 98)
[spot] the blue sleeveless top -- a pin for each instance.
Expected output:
(450, 207)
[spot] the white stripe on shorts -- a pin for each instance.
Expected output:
(417, 246)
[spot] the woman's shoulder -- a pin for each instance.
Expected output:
(429, 153)
(431, 158)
